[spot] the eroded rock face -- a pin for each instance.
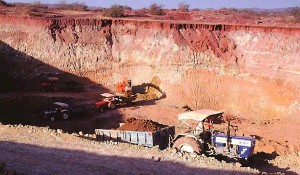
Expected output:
(244, 70)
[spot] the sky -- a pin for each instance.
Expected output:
(201, 4)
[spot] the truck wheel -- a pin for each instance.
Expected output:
(65, 116)
(52, 119)
(188, 144)
(111, 105)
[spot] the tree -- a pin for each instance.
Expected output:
(37, 3)
(156, 9)
(77, 6)
(115, 11)
(295, 12)
(183, 6)
(3, 3)
(126, 7)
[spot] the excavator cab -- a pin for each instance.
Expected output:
(124, 88)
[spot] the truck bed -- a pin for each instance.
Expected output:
(159, 138)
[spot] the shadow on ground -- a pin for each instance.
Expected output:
(38, 160)
(22, 103)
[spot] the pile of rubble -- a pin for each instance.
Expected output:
(4, 171)
(143, 125)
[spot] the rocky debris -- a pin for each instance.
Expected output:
(291, 160)
(156, 159)
(154, 154)
(60, 131)
(144, 125)
(135, 107)
(237, 164)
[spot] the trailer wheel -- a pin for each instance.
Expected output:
(52, 119)
(65, 116)
(111, 105)
(188, 144)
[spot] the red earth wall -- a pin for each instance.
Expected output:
(245, 70)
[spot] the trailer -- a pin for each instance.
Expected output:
(158, 138)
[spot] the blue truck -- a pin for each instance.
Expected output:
(200, 139)
(205, 139)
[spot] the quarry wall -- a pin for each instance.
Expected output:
(252, 71)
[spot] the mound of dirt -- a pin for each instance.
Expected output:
(152, 91)
(143, 125)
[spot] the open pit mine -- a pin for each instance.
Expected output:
(250, 73)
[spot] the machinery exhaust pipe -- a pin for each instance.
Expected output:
(228, 136)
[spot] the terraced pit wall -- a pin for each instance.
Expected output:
(252, 71)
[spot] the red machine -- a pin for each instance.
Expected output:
(123, 95)
(124, 88)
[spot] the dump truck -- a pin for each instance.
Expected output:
(203, 138)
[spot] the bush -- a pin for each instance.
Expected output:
(295, 12)
(35, 9)
(156, 9)
(37, 12)
(77, 6)
(114, 11)
(195, 10)
(99, 9)
(233, 10)
(38, 4)
(126, 7)
(4, 3)
(30, 5)
(183, 6)
(141, 12)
